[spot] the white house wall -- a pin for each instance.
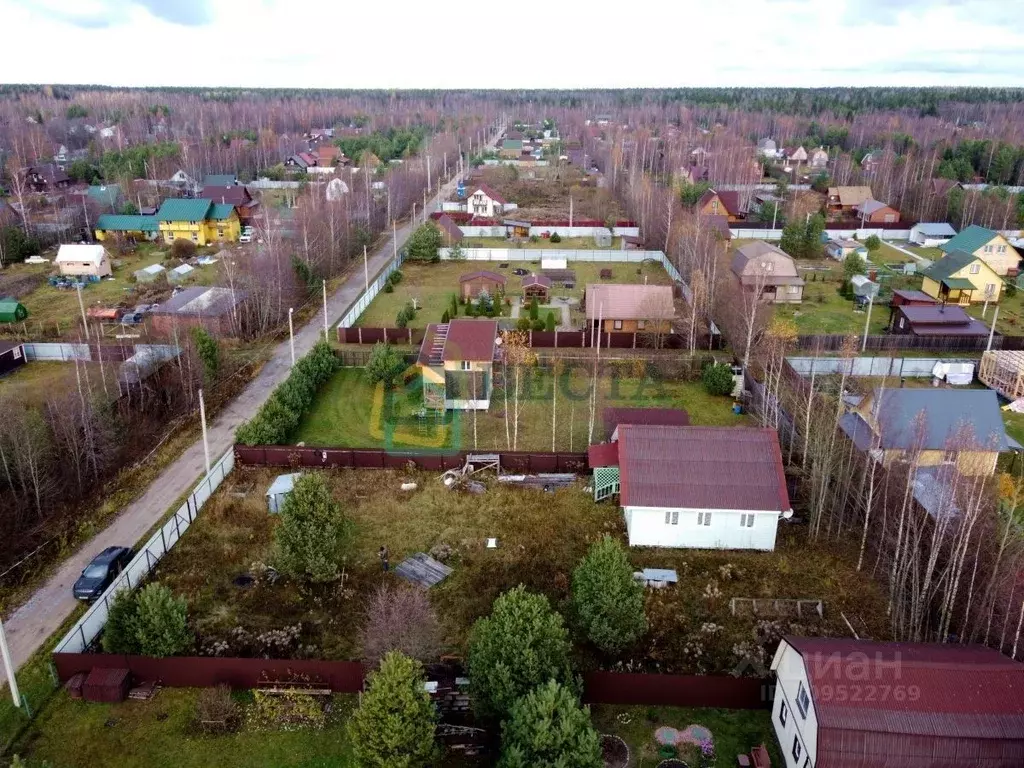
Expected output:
(647, 528)
(467, 405)
(790, 672)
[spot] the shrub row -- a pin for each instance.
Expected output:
(275, 421)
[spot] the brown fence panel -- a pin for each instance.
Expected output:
(368, 459)
(677, 690)
(543, 338)
(569, 338)
(572, 462)
(250, 454)
(376, 458)
(622, 340)
(279, 456)
(540, 462)
(336, 458)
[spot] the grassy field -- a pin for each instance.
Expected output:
(161, 734)
(50, 308)
(344, 413)
(886, 254)
(1011, 314)
(733, 731)
(433, 285)
(824, 311)
(1014, 425)
(541, 537)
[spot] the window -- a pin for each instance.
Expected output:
(803, 700)
(1001, 249)
(783, 714)
(797, 749)
(195, 237)
(641, 324)
(467, 365)
(747, 520)
(988, 249)
(901, 322)
(975, 269)
(990, 289)
(703, 518)
(617, 325)
(671, 517)
(17, 353)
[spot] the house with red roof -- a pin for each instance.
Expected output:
(456, 362)
(842, 703)
(485, 202)
(693, 487)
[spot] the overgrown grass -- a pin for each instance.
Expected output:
(161, 734)
(541, 538)
(734, 731)
(344, 412)
(542, 243)
(433, 285)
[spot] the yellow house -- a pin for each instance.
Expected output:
(931, 427)
(131, 227)
(201, 221)
(989, 246)
(962, 278)
(456, 362)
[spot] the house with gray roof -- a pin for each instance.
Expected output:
(930, 427)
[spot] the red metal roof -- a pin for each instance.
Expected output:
(969, 696)
(702, 468)
(603, 455)
(530, 280)
(665, 417)
(490, 192)
(471, 340)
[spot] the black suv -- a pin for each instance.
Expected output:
(103, 569)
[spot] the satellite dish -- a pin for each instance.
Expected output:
(786, 515)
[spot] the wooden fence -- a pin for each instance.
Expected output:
(896, 341)
(347, 677)
(554, 339)
(376, 458)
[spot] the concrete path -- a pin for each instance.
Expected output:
(32, 623)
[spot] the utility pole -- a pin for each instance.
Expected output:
(867, 322)
(366, 270)
(394, 239)
(327, 336)
(429, 185)
(202, 419)
(291, 334)
(992, 330)
(81, 306)
(446, 165)
(9, 666)
(424, 206)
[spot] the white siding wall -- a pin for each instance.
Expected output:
(467, 405)
(647, 528)
(788, 666)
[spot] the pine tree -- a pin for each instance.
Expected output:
(608, 601)
(549, 727)
(313, 535)
(394, 724)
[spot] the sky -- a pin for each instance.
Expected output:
(559, 44)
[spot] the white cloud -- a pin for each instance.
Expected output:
(569, 44)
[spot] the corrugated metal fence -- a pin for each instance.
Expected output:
(913, 367)
(370, 294)
(554, 339)
(88, 628)
(56, 352)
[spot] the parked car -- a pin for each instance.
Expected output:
(520, 271)
(103, 569)
(245, 238)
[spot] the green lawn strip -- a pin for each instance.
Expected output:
(1011, 313)
(161, 733)
(734, 731)
(342, 412)
(1014, 425)
(433, 285)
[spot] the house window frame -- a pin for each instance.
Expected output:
(671, 517)
(466, 365)
(798, 749)
(803, 700)
(747, 519)
(704, 518)
(783, 714)
(616, 325)
(975, 268)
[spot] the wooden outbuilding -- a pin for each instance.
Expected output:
(473, 284)
(1003, 371)
(536, 287)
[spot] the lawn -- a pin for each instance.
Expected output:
(1014, 425)
(541, 537)
(344, 413)
(734, 731)
(161, 733)
(1011, 313)
(433, 285)
(886, 254)
(566, 243)
(824, 311)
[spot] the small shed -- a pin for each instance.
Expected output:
(516, 228)
(473, 284)
(603, 238)
(12, 311)
(537, 287)
(279, 490)
(180, 274)
(108, 686)
(1003, 371)
(863, 287)
(12, 355)
(552, 262)
(150, 273)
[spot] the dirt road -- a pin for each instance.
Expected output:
(32, 623)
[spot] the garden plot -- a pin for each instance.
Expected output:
(431, 286)
(541, 537)
(546, 195)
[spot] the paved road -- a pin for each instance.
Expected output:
(31, 624)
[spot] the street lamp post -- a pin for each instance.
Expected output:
(9, 666)
(291, 334)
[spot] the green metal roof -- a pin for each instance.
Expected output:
(949, 265)
(221, 211)
(111, 222)
(105, 195)
(180, 209)
(958, 283)
(220, 180)
(12, 311)
(512, 144)
(969, 240)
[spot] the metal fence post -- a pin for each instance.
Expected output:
(81, 632)
(163, 541)
(177, 525)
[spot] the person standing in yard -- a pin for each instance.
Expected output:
(383, 555)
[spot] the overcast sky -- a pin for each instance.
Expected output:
(557, 44)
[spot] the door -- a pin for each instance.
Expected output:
(965, 298)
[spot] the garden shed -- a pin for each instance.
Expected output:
(179, 274)
(279, 490)
(864, 287)
(471, 285)
(12, 355)
(12, 311)
(108, 686)
(150, 273)
(1003, 371)
(536, 286)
